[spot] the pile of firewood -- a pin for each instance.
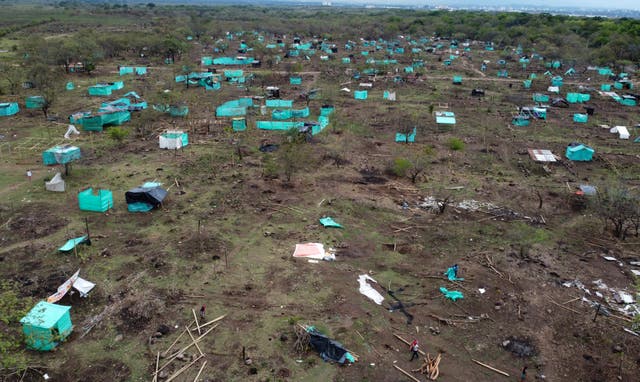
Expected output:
(430, 366)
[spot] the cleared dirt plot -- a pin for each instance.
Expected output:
(288, 194)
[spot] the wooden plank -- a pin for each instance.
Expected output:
(212, 321)
(405, 373)
(194, 341)
(490, 368)
(408, 343)
(196, 318)
(185, 367)
(200, 372)
(172, 344)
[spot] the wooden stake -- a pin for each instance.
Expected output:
(174, 355)
(564, 307)
(200, 372)
(155, 375)
(405, 373)
(194, 341)
(490, 368)
(185, 367)
(197, 325)
(212, 321)
(173, 343)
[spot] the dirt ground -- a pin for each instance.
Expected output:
(225, 235)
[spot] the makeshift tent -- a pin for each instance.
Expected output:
(577, 97)
(178, 110)
(540, 97)
(389, 96)
(360, 94)
(7, 109)
(457, 80)
(521, 120)
(622, 131)
(445, 118)
(295, 80)
(46, 325)
(146, 197)
(526, 84)
(326, 110)
(239, 124)
(72, 243)
(328, 222)
(580, 118)
(278, 125)
(579, 152)
(279, 103)
(70, 86)
(557, 81)
(34, 102)
(173, 139)
(100, 201)
(60, 155)
(605, 87)
(71, 130)
(56, 183)
(406, 138)
(328, 349)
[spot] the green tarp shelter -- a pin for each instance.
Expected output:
(233, 61)
(295, 80)
(60, 155)
(326, 110)
(7, 109)
(557, 81)
(70, 86)
(540, 97)
(360, 94)
(605, 87)
(239, 124)
(173, 140)
(178, 110)
(46, 326)
(579, 152)
(72, 243)
(233, 73)
(526, 84)
(279, 103)
(206, 61)
(100, 90)
(328, 222)
(410, 138)
(445, 118)
(521, 120)
(100, 201)
(457, 80)
(578, 97)
(346, 60)
(34, 102)
(580, 118)
(604, 71)
(278, 125)
(280, 115)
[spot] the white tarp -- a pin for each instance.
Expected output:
(56, 183)
(71, 130)
(83, 286)
(368, 290)
(622, 131)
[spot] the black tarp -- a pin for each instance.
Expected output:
(149, 195)
(329, 349)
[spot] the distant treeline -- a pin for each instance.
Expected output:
(586, 40)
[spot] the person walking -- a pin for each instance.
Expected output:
(202, 309)
(523, 376)
(29, 175)
(414, 347)
(455, 270)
